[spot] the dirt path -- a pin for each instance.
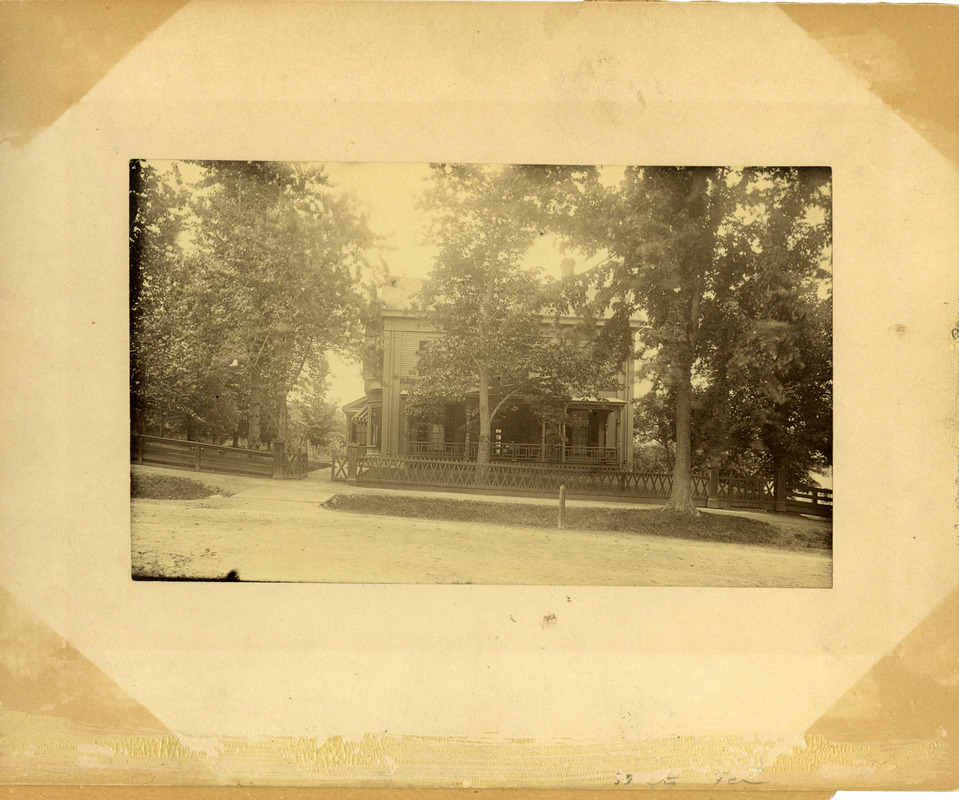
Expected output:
(281, 538)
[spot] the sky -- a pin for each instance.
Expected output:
(389, 193)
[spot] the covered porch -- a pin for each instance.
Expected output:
(592, 433)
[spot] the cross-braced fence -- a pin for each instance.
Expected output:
(515, 478)
(746, 492)
(583, 480)
(338, 466)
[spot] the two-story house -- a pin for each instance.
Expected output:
(596, 430)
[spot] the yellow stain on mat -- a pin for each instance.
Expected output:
(62, 720)
(41, 749)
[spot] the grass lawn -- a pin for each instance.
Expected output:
(782, 531)
(171, 487)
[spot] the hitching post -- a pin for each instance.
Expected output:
(562, 507)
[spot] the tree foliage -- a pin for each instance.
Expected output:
(489, 308)
(314, 422)
(243, 277)
(730, 270)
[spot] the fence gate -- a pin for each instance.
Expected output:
(338, 468)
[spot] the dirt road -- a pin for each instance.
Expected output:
(268, 539)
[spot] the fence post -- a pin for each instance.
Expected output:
(562, 507)
(197, 465)
(779, 491)
(712, 488)
(279, 459)
(139, 449)
(351, 457)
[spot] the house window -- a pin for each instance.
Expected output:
(429, 429)
(577, 428)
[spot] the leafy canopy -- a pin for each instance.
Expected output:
(500, 335)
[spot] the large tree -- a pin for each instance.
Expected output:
(261, 281)
(173, 341)
(489, 307)
(767, 369)
(728, 268)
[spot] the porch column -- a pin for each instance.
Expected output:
(542, 441)
(611, 417)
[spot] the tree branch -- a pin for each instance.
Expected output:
(499, 405)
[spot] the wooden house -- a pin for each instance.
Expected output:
(597, 430)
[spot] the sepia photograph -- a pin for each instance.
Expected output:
(407, 396)
(458, 373)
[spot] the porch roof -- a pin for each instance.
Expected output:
(591, 402)
(355, 406)
(598, 401)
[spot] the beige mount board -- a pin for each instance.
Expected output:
(103, 681)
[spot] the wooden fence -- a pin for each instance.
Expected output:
(809, 500)
(533, 479)
(732, 491)
(338, 468)
(712, 490)
(202, 457)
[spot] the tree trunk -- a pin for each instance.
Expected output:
(681, 496)
(282, 417)
(253, 434)
(485, 421)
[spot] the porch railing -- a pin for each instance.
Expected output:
(516, 451)
(437, 449)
